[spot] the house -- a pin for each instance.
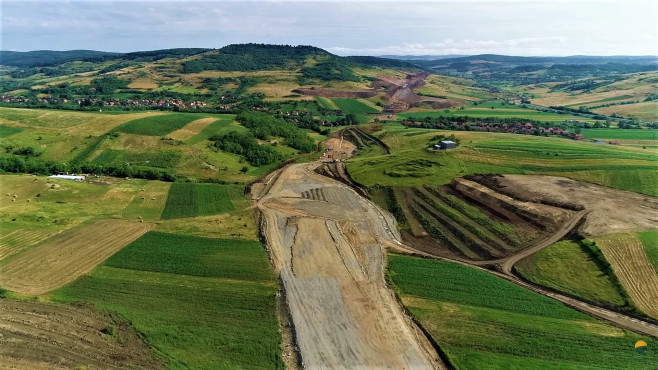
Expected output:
(613, 142)
(447, 144)
(577, 137)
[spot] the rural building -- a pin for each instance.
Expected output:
(68, 177)
(447, 144)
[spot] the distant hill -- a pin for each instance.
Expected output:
(504, 69)
(48, 57)
(423, 57)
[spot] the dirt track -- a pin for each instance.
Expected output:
(46, 336)
(327, 243)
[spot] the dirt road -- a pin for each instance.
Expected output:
(327, 244)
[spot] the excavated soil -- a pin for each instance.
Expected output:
(327, 245)
(611, 210)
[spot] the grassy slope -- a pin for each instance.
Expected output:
(480, 319)
(650, 241)
(566, 267)
(208, 305)
(619, 167)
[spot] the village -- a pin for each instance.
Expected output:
(116, 102)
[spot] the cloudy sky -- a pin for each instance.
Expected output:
(513, 27)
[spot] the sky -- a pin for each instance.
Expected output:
(366, 27)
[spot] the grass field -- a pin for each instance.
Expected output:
(161, 159)
(191, 200)
(355, 106)
(649, 240)
(200, 303)
(564, 266)
(618, 134)
(8, 131)
(478, 319)
(69, 255)
(158, 125)
(646, 111)
(412, 163)
(149, 202)
(495, 109)
(326, 103)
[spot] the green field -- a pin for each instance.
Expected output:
(477, 319)
(650, 241)
(191, 200)
(161, 159)
(619, 134)
(200, 303)
(411, 163)
(564, 266)
(324, 103)
(159, 125)
(8, 131)
(360, 109)
(499, 110)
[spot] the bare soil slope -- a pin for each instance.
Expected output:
(327, 244)
(45, 336)
(611, 210)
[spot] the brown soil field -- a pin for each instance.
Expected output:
(611, 210)
(47, 336)
(626, 254)
(192, 129)
(64, 257)
(327, 245)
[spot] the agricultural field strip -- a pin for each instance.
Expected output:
(18, 240)
(192, 129)
(630, 263)
(67, 256)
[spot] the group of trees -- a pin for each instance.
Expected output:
(40, 166)
(263, 126)
(246, 145)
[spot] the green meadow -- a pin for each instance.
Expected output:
(564, 266)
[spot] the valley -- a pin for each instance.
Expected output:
(274, 206)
